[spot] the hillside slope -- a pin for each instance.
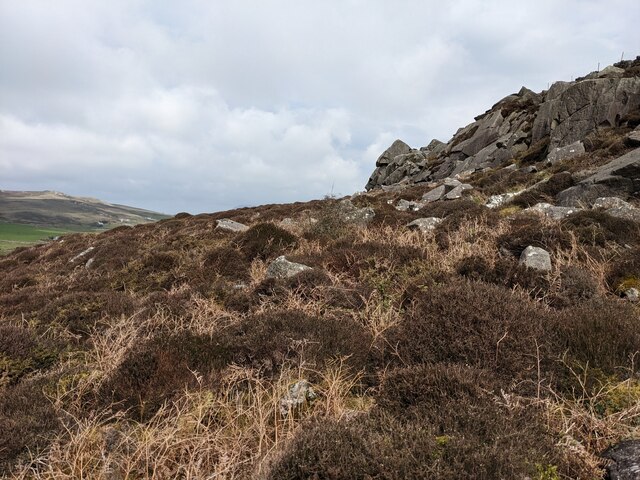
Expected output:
(480, 324)
(57, 209)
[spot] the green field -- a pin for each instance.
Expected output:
(13, 235)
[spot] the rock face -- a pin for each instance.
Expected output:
(283, 268)
(625, 461)
(618, 178)
(552, 124)
(536, 258)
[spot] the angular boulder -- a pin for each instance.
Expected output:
(227, 225)
(424, 224)
(551, 211)
(536, 258)
(564, 153)
(283, 268)
(434, 195)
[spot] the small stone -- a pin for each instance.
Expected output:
(89, 262)
(424, 224)
(300, 393)
(631, 294)
(536, 258)
(451, 182)
(228, 225)
(349, 213)
(496, 201)
(435, 194)
(408, 205)
(633, 138)
(82, 254)
(283, 268)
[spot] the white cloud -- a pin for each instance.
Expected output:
(202, 105)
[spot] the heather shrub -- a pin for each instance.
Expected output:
(228, 262)
(28, 421)
(576, 286)
(265, 241)
(81, 312)
(476, 324)
(154, 370)
(500, 181)
(544, 191)
(506, 272)
(273, 338)
(528, 230)
(21, 353)
(535, 153)
(601, 333)
(593, 227)
(624, 271)
(363, 448)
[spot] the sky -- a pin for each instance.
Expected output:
(202, 106)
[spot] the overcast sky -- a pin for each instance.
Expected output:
(199, 106)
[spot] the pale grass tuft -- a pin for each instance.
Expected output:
(228, 434)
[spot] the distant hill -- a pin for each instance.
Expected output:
(50, 208)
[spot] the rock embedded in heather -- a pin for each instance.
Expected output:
(283, 268)
(633, 138)
(349, 213)
(424, 224)
(300, 394)
(408, 205)
(227, 225)
(496, 201)
(632, 294)
(551, 211)
(536, 258)
(616, 207)
(624, 460)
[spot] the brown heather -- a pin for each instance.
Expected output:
(431, 355)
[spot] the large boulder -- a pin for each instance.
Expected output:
(572, 110)
(227, 225)
(564, 153)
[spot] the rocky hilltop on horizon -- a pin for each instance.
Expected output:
(567, 120)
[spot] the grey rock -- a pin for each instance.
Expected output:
(610, 202)
(82, 254)
(633, 138)
(300, 394)
(632, 294)
(457, 191)
(408, 205)
(287, 222)
(551, 211)
(349, 213)
(536, 258)
(530, 169)
(435, 194)
(397, 148)
(496, 201)
(424, 224)
(283, 268)
(564, 153)
(624, 461)
(583, 195)
(451, 182)
(231, 226)
(511, 168)
(89, 263)
(573, 110)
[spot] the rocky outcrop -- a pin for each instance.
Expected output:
(618, 178)
(550, 125)
(624, 461)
